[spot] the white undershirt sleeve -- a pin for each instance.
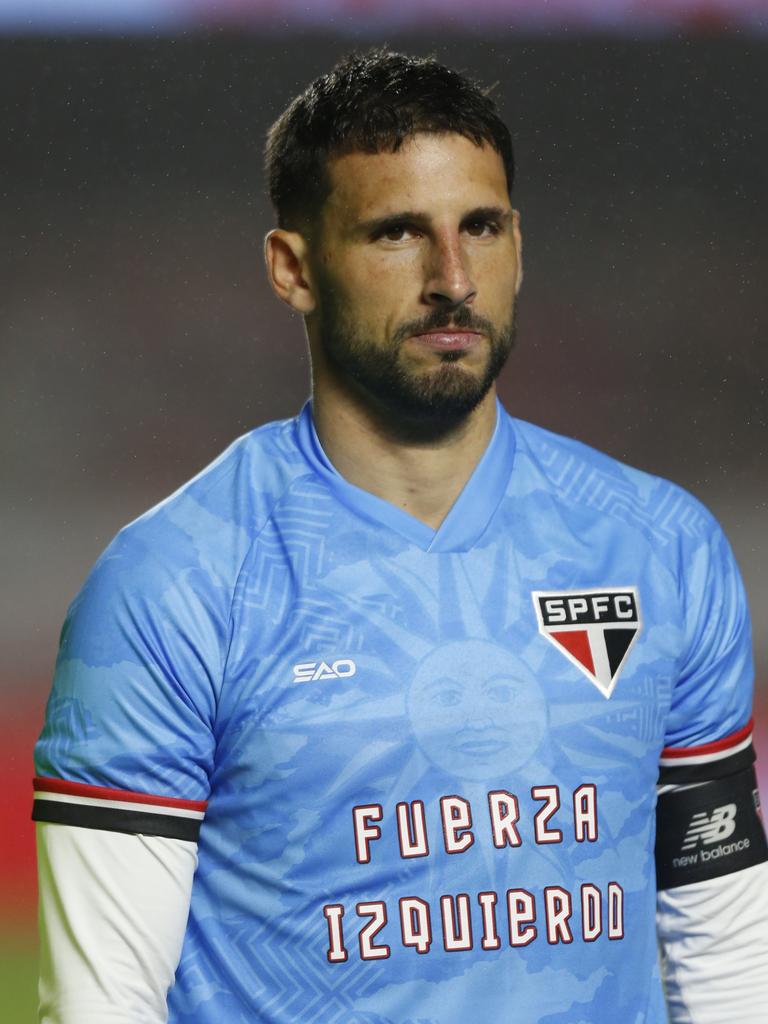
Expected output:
(113, 912)
(714, 949)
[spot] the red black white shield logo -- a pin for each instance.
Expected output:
(594, 629)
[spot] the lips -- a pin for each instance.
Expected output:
(482, 747)
(448, 341)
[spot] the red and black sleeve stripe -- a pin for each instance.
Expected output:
(709, 761)
(116, 810)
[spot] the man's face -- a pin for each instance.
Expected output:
(411, 242)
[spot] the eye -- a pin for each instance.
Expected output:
(483, 228)
(448, 698)
(501, 693)
(400, 232)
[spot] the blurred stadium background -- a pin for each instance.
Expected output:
(138, 337)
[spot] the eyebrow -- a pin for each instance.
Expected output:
(421, 219)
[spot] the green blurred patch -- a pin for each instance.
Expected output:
(18, 978)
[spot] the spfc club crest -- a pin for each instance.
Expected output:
(594, 629)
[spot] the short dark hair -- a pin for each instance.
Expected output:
(371, 102)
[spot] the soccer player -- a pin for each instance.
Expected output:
(366, 722)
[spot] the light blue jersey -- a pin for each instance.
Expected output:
(424, 761)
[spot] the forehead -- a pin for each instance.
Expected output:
(428, 172)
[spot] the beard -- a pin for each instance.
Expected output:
(434, 400)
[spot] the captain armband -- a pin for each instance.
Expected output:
(708, 830)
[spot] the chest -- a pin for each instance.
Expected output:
(360, 662)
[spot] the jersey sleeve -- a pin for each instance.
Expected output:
(128, 741)
(708, 822)
(709, 726)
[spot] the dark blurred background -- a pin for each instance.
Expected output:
(138, 335)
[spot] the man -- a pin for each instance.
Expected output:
(365, 722)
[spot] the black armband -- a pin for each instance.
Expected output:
(709, 830)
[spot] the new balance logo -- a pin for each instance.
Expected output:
(710, 829)
(309, 671)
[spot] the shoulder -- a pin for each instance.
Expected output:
(191, 545)
(590, 482)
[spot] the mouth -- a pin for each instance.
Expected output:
(481, 748)
(446, 340)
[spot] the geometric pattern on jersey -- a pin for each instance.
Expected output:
(419, 811)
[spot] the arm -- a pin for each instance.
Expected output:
(113, 910)
(123, 767)
(712, 905)
(714, 949)
(711, 850)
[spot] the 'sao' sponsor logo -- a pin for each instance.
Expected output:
(310, 671)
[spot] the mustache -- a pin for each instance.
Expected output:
(462, 318)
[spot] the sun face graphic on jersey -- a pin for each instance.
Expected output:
(475, 711)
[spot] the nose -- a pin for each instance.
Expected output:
(447, 280)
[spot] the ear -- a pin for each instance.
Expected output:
(518, 247)
(286, 254)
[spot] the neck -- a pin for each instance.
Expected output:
(421, 470)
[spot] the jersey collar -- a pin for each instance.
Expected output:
(471, 512)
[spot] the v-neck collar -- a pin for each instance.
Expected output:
(469, 515)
